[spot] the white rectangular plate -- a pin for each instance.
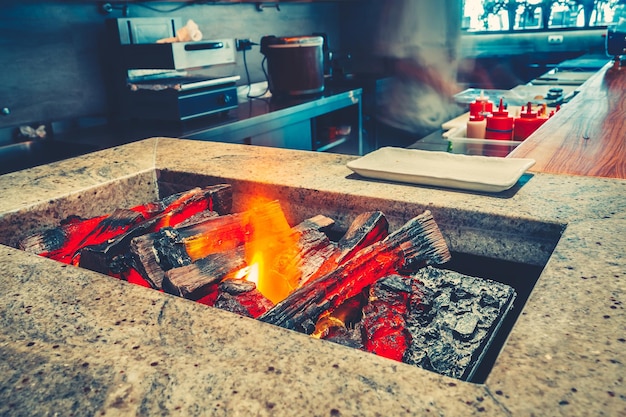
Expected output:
(442, 169)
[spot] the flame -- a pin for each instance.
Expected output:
(272, 254)
(273, 278)
(271, 246)
(252, 273)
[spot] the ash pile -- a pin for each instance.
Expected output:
(457, 321)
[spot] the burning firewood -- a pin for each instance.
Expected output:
(343, 324)
(366, 229)
(202, 277)
(191, 281)
(113, 256)
(306, 247)
(242, 297)
(416, 244)
(65, 242)
(156, 253)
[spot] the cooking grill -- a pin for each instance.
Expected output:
(174, 81)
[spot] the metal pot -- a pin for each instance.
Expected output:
(295, 64)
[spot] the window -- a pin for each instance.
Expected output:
(521, 15)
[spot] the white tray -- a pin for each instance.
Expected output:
(442, 169)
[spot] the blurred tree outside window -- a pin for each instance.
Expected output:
(521, 15)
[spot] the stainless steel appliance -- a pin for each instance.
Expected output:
(172, 81)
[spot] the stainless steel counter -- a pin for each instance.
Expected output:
(288, 124)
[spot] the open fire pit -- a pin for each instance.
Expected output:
(381, 291)
(86, 343)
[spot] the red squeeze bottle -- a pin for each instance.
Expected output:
(500, 124)
(527, 123)
(481, 105)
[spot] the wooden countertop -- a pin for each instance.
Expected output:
(588, 135)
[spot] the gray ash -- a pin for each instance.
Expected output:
(456, 321)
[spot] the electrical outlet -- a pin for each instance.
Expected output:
(243, 44)
(555, 39)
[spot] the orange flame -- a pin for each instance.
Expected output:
(271, 254)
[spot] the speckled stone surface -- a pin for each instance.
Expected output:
(74, 342)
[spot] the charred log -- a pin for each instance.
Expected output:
(65, 242)
(343, 324)
(242, 297)
(113, 257)
(202, 277)
(120, 221)
(228, 232)
(155, 253)
(312, 248)
(366, 229)
(51, 241)
(418, 243)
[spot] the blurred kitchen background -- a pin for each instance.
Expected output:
(53, 60)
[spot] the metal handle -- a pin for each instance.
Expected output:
(203, 46)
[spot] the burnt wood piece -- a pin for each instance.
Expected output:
(155, 253)
(219, 198)
(366, 229)
(57, 242)
(315, 250)
(197, 218)
(228, 232)
(318, 222)
(188, 281)
(384, 323)
(50, 241)
(284, 257)
(113, 257)
(417, 243)
(339, 325)
(312, 247)
(202, 277)
(242, 297)
(65, 242)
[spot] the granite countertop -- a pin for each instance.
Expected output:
(74, 342)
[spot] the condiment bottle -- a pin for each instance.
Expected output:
(499, 124)
(476, 126)
(481, 104)
(526, 123)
